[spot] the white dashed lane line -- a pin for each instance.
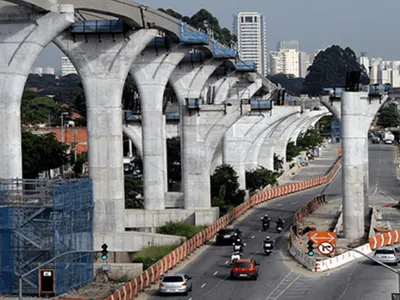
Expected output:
(215, 273)
(227, 262)
(204, 284)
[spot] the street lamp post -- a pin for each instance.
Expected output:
(62, 137)
(377, 261)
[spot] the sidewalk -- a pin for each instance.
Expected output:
(320, 165)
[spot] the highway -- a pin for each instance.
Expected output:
(280, 277)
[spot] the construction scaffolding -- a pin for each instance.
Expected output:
(40, 219)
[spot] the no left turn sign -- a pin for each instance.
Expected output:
(326, 248)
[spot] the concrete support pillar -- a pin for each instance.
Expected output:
(188, 82)
(366, 177)
(266, 155)
(165, 154)
(241, 136)
(151, 73)
(353, 145)
(24, 35)
(103, 68)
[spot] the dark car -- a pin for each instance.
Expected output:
(245, 268)
(225, 236)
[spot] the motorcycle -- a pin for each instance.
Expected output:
(236, 255)
(268, 248)
(265, 225)
(238, 248)
(279, 228)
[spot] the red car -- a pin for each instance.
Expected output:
(245, 268)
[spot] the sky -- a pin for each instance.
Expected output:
(363, 25)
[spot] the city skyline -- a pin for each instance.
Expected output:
(309, 22)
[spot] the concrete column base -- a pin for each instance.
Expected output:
(148, 220)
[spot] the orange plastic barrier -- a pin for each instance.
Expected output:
(132, 288)
(384, 239)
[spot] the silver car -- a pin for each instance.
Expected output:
(388, 254)
(175, 283)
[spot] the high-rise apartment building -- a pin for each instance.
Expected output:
(251, 32)
(364, 61)
(287, 45)
(286, 62)
(305, 61)
(67, 67)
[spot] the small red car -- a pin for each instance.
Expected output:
(245, 268)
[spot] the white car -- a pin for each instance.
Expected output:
(388, 254)
(175, 284)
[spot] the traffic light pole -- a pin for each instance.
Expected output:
(21, 277)
(374, 260)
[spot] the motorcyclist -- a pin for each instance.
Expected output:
(269, 241)
(279, 222)
(266, 219)
(238, 242)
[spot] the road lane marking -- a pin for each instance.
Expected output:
(227, 262)
(215, 273)
(279, 284)
(253, 236)
(286, 288)
(204, 284)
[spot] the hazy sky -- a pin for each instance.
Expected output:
(363, 25)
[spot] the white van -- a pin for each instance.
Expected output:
(388, 254)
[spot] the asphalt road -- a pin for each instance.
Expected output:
(281, 278)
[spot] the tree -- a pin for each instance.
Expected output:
(134, 194)
(37, 110)
(309, 139)
(292, 151)
(198, 20)
(324, 125)
(174, 160)
(388, 116)
(330, 68)
(278, 162)
(78, 166)
(292, 85)
(41, 153)
(260, 178)
(225, 175)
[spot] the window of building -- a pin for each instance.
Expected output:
(249, 19)
(241, 19)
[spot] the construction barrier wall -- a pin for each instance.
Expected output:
(132, 288)
(40, 219)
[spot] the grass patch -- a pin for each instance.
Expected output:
(181, 229)
(150, 255)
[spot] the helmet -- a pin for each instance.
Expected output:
(266, 216)
(267, 238)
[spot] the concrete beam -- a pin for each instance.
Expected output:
(24, 35)
(103, 68)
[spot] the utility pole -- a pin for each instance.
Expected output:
(62, 138)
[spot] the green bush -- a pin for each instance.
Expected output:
(150, 255)
(260, 178)
(181, 229)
